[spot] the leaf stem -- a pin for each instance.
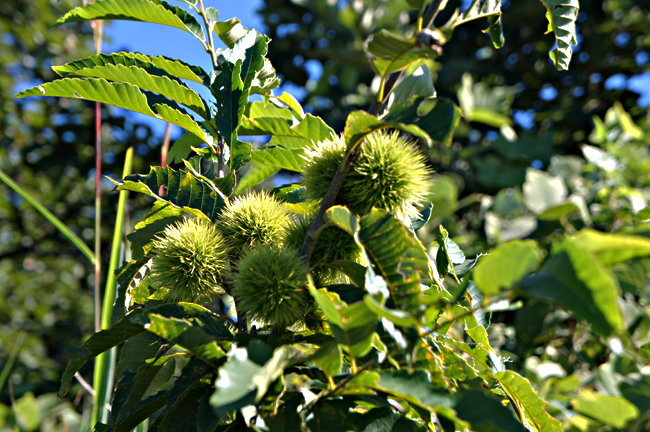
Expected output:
(210, 47)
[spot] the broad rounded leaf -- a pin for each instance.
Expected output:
(575, 280)
(506, 265)
(612, 410)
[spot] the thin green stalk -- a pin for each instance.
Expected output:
(103, 374)
(49, 216)
(6, 370)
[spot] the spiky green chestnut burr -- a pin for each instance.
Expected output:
(333, 244)
(270, 285)
(390, 174)
(254, 219)
(190, 260)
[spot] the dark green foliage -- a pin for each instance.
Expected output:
(421, 334)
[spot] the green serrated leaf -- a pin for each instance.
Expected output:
(144, 75)
(153, 11)
(135, 352)
(528, 403)
(289, 159)
(562, 15)
(255, 175)
(174, 67)
(394, 250)
(490, 9)
(194, 194)
(121, 95)
(129, 326)
(355, 271)
(449, 254)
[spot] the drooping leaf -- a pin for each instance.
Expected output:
(122, 95)
(449, 253)
(612, 248)
(577, 281)
(355, 271)
(528, 403)
(255, 175)
(506, 265)
(490, 9)
(174, 67)
(153, 11)
(190, 378)
(135, 352)
(141, 74)
(424, 218)
(230, 31)
(195, 195)
(232, 88)
(562, 15)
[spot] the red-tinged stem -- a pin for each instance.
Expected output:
(163, 154)
(98, 212)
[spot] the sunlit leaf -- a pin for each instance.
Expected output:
(153, 11)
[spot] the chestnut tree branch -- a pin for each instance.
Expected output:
(337, 182)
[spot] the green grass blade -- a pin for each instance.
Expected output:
(49, 216)
(6, 370)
